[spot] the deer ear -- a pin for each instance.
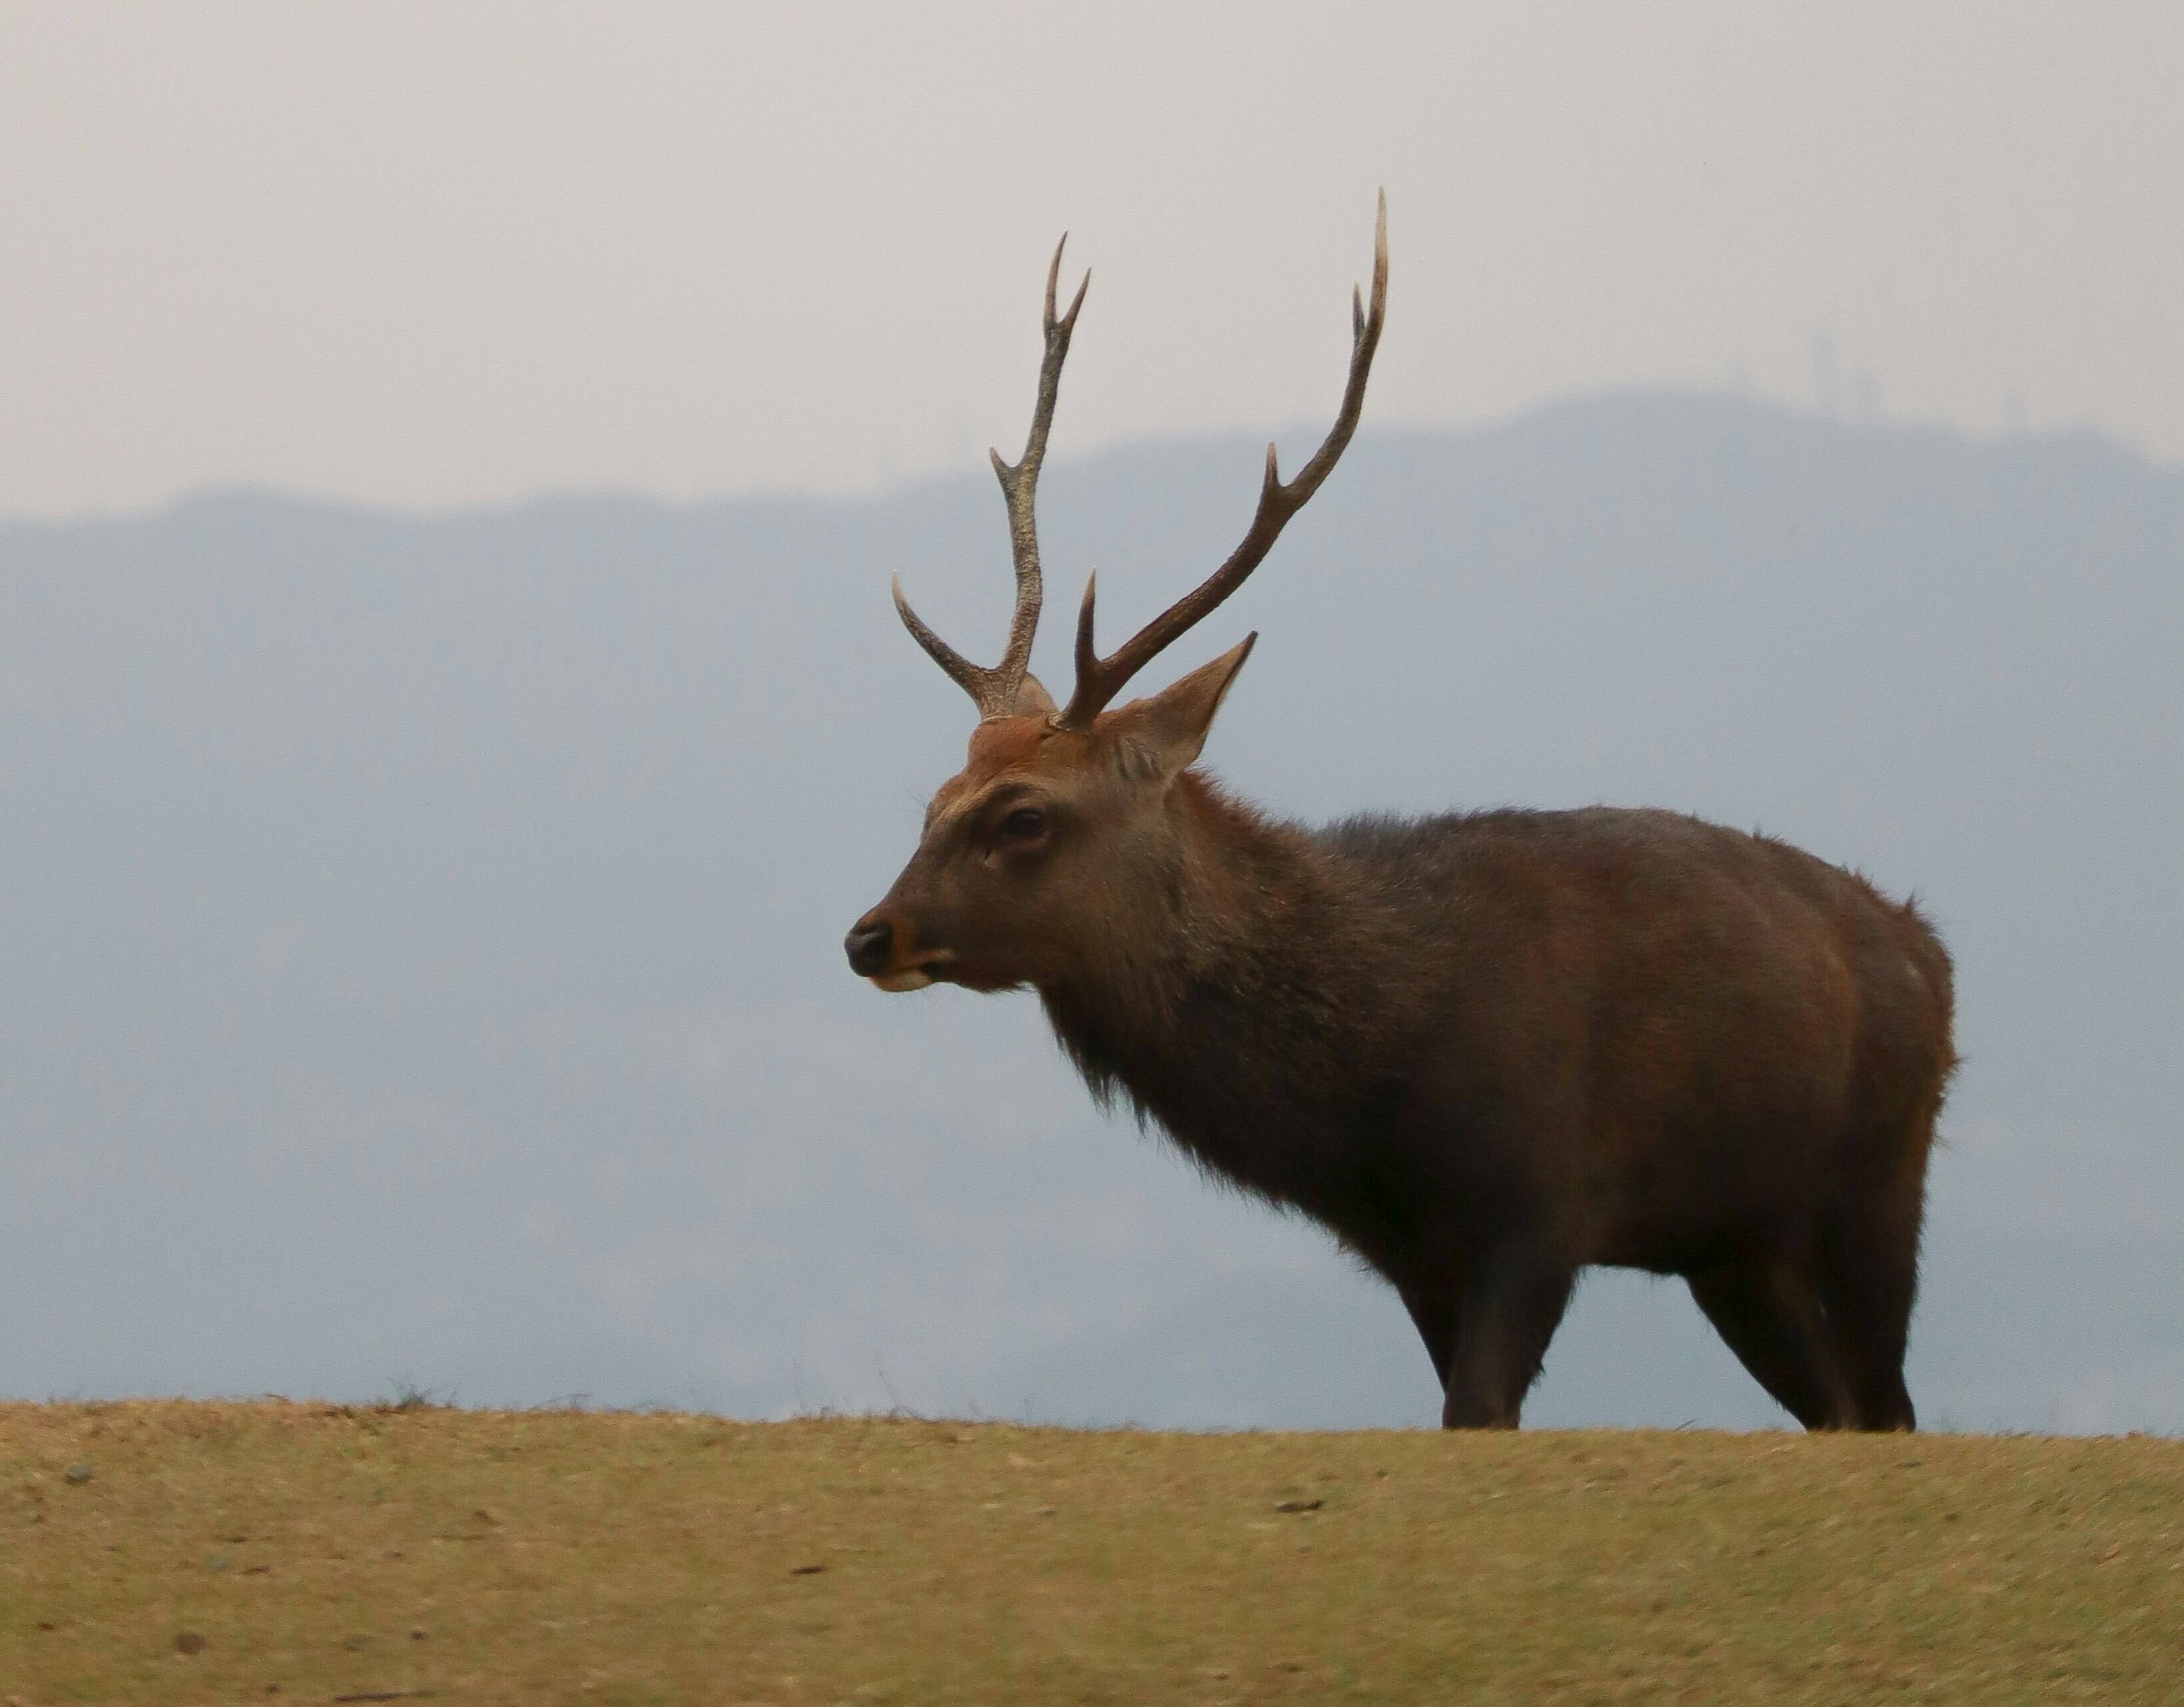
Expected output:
(1169, 728)
(1032, 700)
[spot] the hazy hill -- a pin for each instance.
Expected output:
(419, 936)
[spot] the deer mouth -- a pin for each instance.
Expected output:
(929, 969)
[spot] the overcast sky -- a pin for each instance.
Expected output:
(443, 254)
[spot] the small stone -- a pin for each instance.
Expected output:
(416, 1632)
(1298, 1506)
(78, 1474)
(188, 1642)
(1046, 1511)
(805, 1569)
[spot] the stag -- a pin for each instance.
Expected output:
(1485, 1050)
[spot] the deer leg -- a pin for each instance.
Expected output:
(1511, 1304)
(1434, 1300)
(1770, 1315)
(1870, 1279)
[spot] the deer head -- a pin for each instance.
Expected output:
(1065, 824)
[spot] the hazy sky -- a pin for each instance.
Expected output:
(439, 254)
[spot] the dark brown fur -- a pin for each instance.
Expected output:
(1486, 1051)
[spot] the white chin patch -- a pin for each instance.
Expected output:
(916, 978)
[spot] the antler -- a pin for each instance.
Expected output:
(1099, 680)
(995, 690)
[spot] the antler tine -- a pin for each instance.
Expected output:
(1020, 482)
(995, 690)
(965, 675)
(1099, 680)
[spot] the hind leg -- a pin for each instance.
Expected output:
(1770, 1314)
(1869, 1281)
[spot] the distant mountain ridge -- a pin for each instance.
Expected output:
(419, 936)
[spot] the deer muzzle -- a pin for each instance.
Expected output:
(876, 952)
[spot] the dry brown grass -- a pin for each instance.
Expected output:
(314, 1553)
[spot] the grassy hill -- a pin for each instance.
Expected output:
(272, 1551)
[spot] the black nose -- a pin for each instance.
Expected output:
(868, 945)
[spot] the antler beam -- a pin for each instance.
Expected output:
(995, 690)
(1099, 680)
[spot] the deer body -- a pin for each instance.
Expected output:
(1484, 1051)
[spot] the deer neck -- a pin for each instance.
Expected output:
(1235, 1001)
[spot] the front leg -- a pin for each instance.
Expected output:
(1513, 1302)
(1433, 1292)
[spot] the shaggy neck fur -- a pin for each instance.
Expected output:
(1246, 1015)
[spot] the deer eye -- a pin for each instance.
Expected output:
(1025, 824)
